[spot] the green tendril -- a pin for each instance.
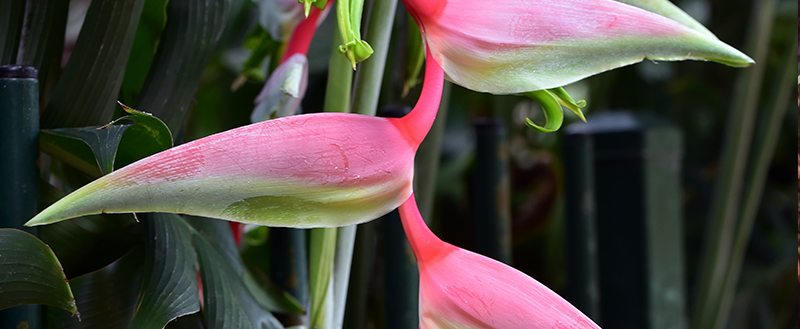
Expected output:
(553, 116)
(552, 100)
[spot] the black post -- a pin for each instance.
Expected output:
(583, 289)
(636, 161)
(19, 172)
(492, 199)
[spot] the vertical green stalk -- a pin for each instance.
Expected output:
(19, 174)
(369, 76)
(365, 101)
(321, 255)
(725, 209)
(337, 99)
(764, 149)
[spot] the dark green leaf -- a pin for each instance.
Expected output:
(149, 135)
(222, 308)
(218, 234)
(191, 321)
(169, 287)
(11, 13)
(189, 39)
(71, 151)
(31, 273)
(43, 40)
(216, 248)
(88, 243)
(86, 92)
(106, 297)
(118, 143)
(269, 295)
(103, 142)
(151, 24)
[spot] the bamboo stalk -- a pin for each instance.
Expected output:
(716, 254)
(764, 150)
(365, 101)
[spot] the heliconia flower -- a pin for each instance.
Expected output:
(286, 86)
(510, 47)
(314, 170)
(461, 289)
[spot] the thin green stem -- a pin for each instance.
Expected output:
(764, 149)
(738, 135)
(369, 77)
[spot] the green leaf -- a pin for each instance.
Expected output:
(220, 264)
(149, 135)
(218, 234)
(31, 273)
(86, 92)
(321, 255)
(11, 13)
(114, 145)
(189, 39)
(103, 143)
(145, 43)
(73, 152)
(43, 40)
(107, 297)
(269, 295)
(169, 287)
(87, 243)
(221, 307)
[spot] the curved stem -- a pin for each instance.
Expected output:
(424, 243)
(415, 125)
(303, 34)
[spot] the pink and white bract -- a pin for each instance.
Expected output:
(459, 289)
(315, 170)
(507, 47)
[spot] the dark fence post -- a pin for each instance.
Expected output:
(636, 161)
(19, 172)
(583, 289)
(492, 199)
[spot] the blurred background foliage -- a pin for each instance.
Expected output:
(698, 97)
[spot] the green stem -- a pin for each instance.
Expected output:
(369, 78)
(340, 77)
(365, 101)
(738, 135)
(764, 149)
(337, 99)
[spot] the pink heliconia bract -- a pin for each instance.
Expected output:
(314, 170)
(459, 289)
(507, 47)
